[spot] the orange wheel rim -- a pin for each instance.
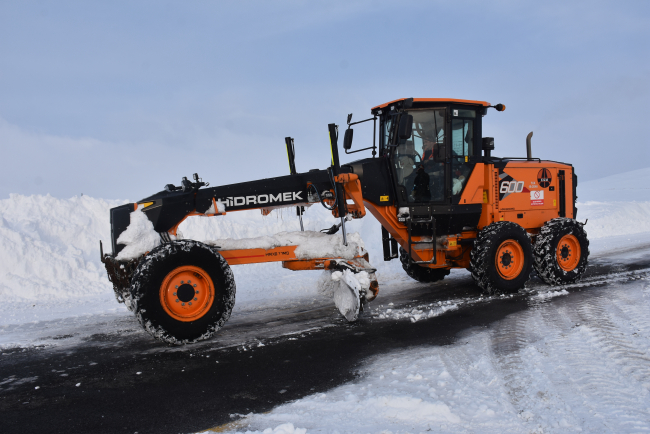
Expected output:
(510, 259)
(187, 293)
(568, 252)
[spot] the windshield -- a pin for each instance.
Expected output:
(419, 161)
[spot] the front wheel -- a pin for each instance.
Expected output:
(421, 274)
(183, 292)
(501, 260)
(561, 251)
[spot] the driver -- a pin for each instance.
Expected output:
(428, 148)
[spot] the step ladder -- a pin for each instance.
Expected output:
(426, 223)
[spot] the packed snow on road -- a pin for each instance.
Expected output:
(575, 361)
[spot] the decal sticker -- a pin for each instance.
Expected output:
(383, 198)
(544, 178)
(288, 196)
(455, 112)
(509, 185)
(537, 197)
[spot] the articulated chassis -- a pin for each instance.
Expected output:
(496, 205)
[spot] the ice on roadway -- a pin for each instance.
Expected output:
(574, 362)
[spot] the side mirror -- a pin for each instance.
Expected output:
(487, 144)
(347, 139)
(405, 127)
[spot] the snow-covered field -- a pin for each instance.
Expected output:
(583, 367)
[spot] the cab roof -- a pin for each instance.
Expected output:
(457, 101)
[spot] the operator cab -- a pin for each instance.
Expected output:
(432, 163)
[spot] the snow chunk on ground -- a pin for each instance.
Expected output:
(285, 428)
(311, 244)
(139, 237)
(414, 314)
(550, 294)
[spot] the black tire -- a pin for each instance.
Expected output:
(483, 259)
(153, 274)
(421, 274)
(545, 252)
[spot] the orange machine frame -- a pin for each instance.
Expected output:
(485, 185)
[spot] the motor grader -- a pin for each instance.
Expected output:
(442, 199)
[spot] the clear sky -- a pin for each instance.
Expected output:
(115, 99)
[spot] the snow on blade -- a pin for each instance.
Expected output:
(345, 288)
(310, 244)
(139, 237)
(346, 296)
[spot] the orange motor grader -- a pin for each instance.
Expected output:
(442, 199)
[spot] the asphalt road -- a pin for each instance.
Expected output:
(120, 380)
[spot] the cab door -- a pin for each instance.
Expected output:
(464, 151)
(420, 163)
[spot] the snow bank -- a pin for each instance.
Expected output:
(49, 248)
(627, 187)
(608, 219)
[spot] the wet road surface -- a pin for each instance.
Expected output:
(120, 380)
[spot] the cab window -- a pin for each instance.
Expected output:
(462, 148)
(419, 161)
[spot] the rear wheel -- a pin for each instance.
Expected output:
(183, 292)
(501, 260)
(561, 251)
(421, 274)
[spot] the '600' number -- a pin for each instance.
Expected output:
(512, 187)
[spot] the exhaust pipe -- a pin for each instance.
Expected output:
(529, 152)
